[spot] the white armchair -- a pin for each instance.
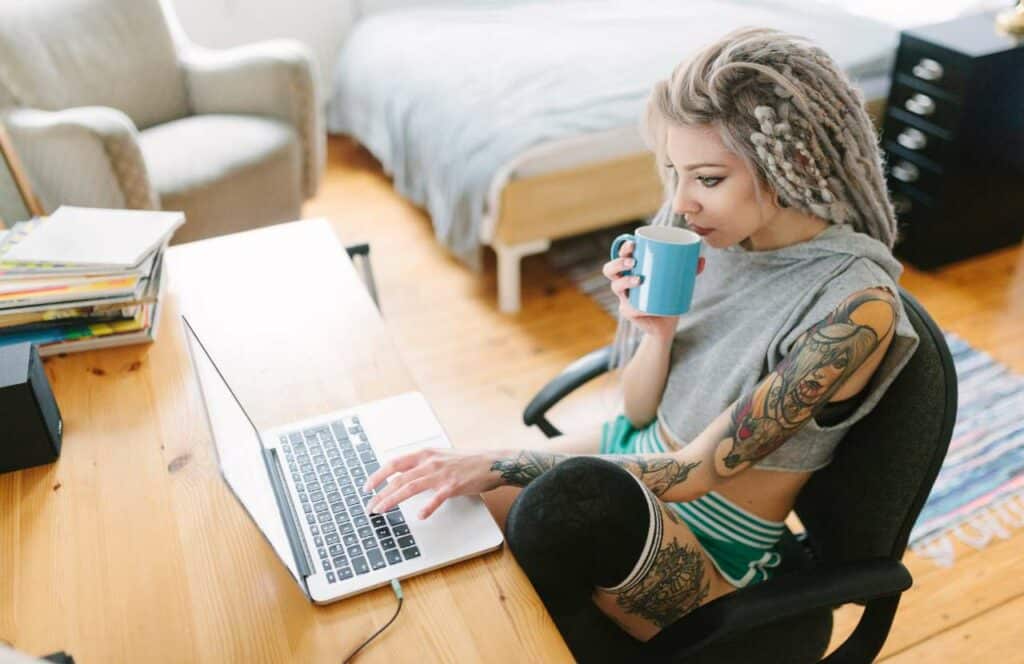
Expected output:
(106, 109)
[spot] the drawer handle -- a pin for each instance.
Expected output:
(928, 70)
(902, 204)
(912, 139)
(921, 104)
(904, 171)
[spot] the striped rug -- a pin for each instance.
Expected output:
(979, 493)
(978, 496)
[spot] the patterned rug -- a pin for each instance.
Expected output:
(979, 494)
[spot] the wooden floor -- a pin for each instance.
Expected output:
(479, 367)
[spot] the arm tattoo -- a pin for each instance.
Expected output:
(659, 474)
(526, 466)
(820, 362)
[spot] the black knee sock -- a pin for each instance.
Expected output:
(583, 524)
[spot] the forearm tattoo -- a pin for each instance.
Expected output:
(658, 473)
(526, 466)
(820, 362)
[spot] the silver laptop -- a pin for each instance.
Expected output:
(302, 485)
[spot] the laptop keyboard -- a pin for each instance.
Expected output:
(329, 465)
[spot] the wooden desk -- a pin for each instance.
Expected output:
(132, 548)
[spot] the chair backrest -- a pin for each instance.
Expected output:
(864, 504)
(57, 54)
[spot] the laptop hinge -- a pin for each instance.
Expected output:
(288, 515)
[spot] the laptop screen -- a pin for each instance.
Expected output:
(239, 450)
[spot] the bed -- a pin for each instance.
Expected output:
(516, 123)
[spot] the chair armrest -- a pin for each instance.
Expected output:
(275, 78)
(783, 597)
(581, 371)
(86, 156)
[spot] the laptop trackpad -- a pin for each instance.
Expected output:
(436, 442)
(401, 421)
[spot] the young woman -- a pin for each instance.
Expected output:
(794, 334)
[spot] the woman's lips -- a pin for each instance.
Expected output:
(700, 230)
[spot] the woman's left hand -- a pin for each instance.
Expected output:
(447, 471)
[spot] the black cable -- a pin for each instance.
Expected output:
(397, 587)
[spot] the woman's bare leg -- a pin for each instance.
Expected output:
(500, 500)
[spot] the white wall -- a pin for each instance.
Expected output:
(320, 24)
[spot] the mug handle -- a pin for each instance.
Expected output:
(619, 241)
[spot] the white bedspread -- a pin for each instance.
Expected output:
(445, 96)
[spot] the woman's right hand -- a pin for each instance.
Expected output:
(660, 326)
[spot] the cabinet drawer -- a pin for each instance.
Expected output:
(911, 203)
(931, 65)
(914, 139)
(899, 169)
(943, 114)
(918, 228)
(927, 238)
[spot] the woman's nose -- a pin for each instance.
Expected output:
(683, 204)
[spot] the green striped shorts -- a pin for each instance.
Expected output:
(741, 546)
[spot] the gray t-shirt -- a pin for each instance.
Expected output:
(749, 307)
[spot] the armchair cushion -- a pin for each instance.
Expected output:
(85, 156)
(116, 53)
(226, 170)
(273, 78)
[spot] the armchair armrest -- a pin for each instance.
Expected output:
(274, 78)
(85, 156)
(877, 583)
(581, 371)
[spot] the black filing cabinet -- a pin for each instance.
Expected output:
(953, 138)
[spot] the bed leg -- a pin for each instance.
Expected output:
(509, 257)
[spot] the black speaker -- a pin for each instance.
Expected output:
(30, 423)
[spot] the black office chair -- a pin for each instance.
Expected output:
(858, 512)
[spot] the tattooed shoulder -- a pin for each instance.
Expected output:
(817, 367)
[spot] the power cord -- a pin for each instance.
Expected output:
(397, 587)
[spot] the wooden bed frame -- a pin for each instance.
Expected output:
(538, 209)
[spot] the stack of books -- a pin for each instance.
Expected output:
(83, 278)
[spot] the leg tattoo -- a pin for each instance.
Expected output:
(675, 585)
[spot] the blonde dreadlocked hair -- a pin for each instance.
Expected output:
(781, 103)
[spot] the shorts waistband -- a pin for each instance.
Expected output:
(721, 519)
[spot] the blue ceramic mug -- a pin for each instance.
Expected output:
(666, 262)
